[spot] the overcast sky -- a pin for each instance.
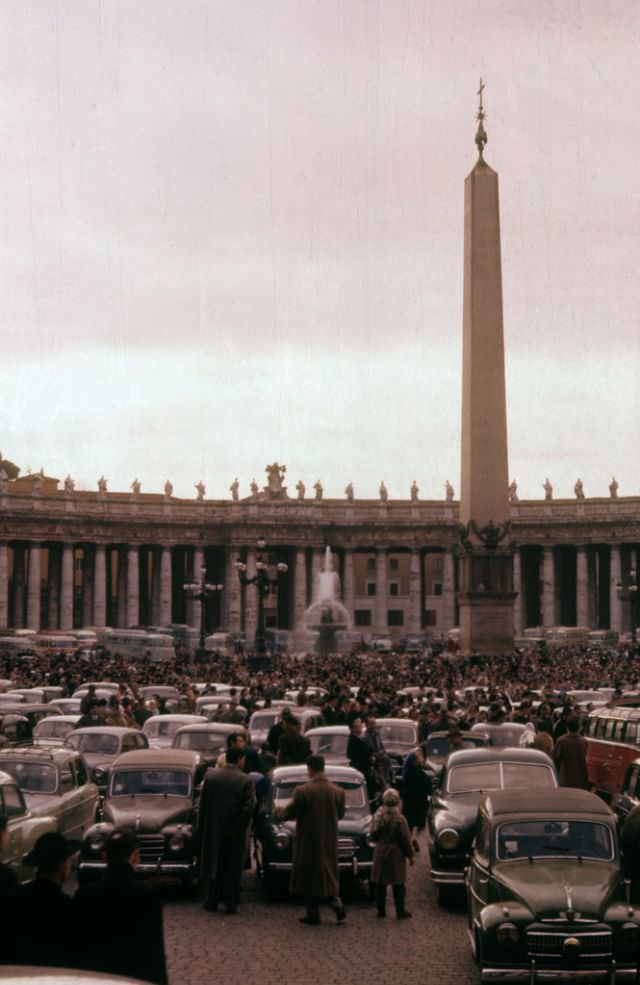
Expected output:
(232, 234)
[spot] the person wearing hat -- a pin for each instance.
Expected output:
(293, 748)
(37, 916)
(392, 837)
(118, 919)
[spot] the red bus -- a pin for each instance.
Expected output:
(613, 739)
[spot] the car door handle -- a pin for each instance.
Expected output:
(482, 881)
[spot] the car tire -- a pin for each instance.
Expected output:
(274, 885)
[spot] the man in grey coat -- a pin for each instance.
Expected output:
(226, 809)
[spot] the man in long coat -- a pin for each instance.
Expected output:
(316, 807)
(226, 809)
(570, 755)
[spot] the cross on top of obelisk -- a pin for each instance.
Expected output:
(481, 133)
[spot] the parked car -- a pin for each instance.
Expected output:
(24, 827)
(155, 792)
(159, 730)
(629, 796)
(100, 745)
(545, 892)
(436, 751)
(453, 810)
(54, 783)
(54, 729)
(399, 736)
(264, 719)
(506, 735)
(330, 741)
(274, 839)
(208, 738)
(67, 706)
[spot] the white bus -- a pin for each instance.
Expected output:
(139, 644)
(54, 643)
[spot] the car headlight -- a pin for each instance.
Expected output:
(176, 842)
(282, 839)
(507, 935)
(96, 842)
(99, 774)
(448, 839)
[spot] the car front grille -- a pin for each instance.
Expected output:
(151, 848)
(543, 944)
(346, 847)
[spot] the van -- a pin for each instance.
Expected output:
(221, 643)
(613, 742)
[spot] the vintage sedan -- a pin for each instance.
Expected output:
(23, 826)
(54, 783)
(545, 893)
(100, 745)
(399, 737)
(436, 750)
(155, 792)
(505, 735)
(629, 796)
(274, 839)
(54, 729)
(330, 741)
(207, 738)
(453, 808)
(159, 730)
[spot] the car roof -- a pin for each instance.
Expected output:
(282, 773)
(225, 728)
(109, 729)
(544, 800)
(328, 730)
(396, 721)
(39, 754)
(187, 719)
(60, 718)
(158, 757)
(492, 754)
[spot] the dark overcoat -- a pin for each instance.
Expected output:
(391, 834)
(570, 755)
(227, 803)
(316, 807)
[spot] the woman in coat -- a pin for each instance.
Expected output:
(390, 832)
(416, 788)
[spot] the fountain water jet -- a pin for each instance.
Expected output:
(327, 617)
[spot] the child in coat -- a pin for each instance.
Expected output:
(390, 831)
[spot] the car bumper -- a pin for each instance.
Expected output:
(354, 866)
(447, 877)
(145, 868)
(532, 975)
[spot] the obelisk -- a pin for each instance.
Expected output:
(486, 563)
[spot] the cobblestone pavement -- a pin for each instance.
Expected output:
(265, 944)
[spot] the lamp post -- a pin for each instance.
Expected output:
(629, 593)
(268, 571)
(199, 591)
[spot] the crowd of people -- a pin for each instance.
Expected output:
(440, 691)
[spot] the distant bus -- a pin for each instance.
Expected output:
(45, 643)
(141, 645)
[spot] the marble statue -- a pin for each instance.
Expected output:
(300, 489)
(613, 488)
(136, 486)
(415, 489)
(201, 489)
(69, 485)
(275, 478)
(548, 489)
(449, 491)
(579, 489)
(254, 488)
(4, 480)
(102, 484)
(384, 495)
(318, 488)
(233, 489)
(513, 491)
(349, 491)
(168, 489)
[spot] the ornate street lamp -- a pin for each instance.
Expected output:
(266, 578)
(199, 592)
(629, 593)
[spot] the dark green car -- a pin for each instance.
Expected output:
(545, 893)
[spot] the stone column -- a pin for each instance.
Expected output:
(133, 587)
(232, 591)
(121, 588)
(4, 584)
(250, 600)
(548, 588)
(448, 592)
(415, 593)
(299, 588)
(165, 606)
(155, 585)
(18, 586)
(198, 564)
(87, 586)
(53, 589)
(582, 587)
(100, 586)
(615, 603)
(66, 594)
(33, 588)
(381, 590)
(348, 587)
(316, 567)
(518, 603)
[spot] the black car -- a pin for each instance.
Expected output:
(436, 750)
(399, 737)
(453, 810)
(274, 839)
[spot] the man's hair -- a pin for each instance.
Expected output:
(235, 754)
(315, 763)
(573, 725)
(121, 845)
(232, 739)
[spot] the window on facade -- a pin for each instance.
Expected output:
(395, 617)
(394, 588)
(393, 564)
(430, 617)
(371, 588)
(362, 617)
(371, 563)
(437, 588)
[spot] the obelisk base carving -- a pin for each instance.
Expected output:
(485, 600)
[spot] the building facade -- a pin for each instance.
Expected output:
(75, 558)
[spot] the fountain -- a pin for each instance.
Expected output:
(326, 618)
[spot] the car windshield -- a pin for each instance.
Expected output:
(101, 743)
(32, 777)
(439, 748)
(331, 743)
(553, 838)
(356, 802)
(202, 741)
(264, 720)
(53, 728)
(502, 735)
(162, 728)
(475, 777)
(145, 783)
(399, 735)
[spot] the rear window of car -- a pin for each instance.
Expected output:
(265, 720)
(32, 777)
(553, 839)
(356, 803)
(336, 744)
(161, 783)
(402, 735)
(100, 743)
(498, 776)
(205, 741)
